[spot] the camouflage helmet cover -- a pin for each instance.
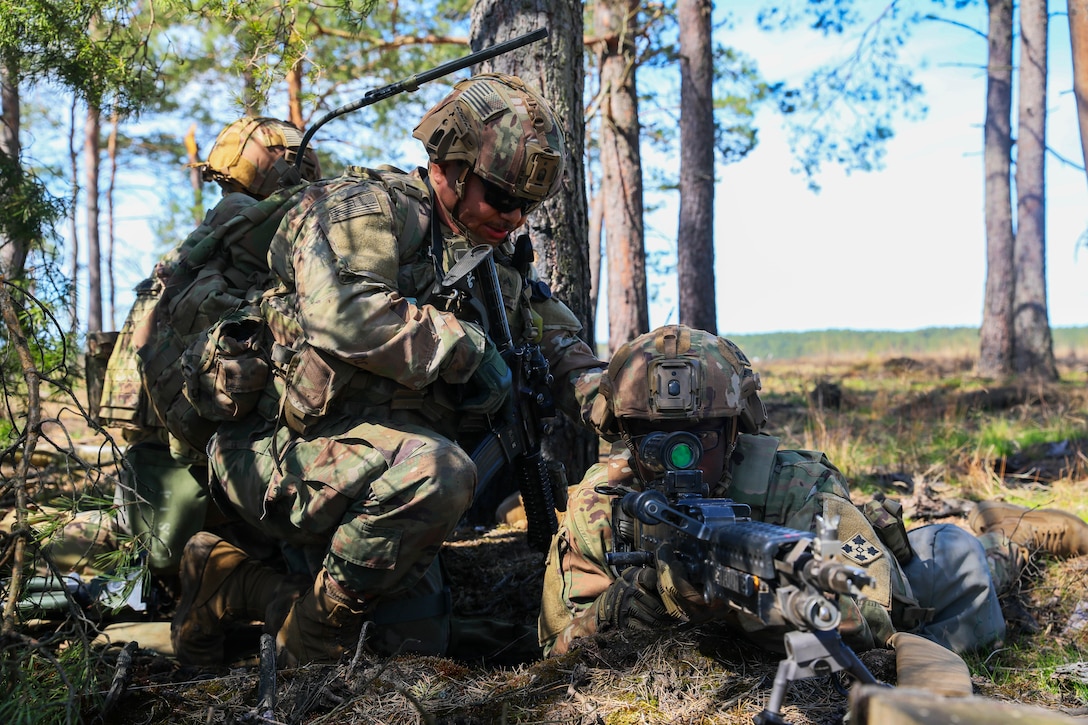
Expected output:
(677, 372)
(250, 153)
(505, 132)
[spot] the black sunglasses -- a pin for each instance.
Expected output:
(499, 200)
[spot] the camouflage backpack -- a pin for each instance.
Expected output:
(205, 359)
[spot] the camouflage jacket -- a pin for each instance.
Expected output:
(788, 488)
(353, 267)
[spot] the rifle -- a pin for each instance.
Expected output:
(471, 287)
(777, 574)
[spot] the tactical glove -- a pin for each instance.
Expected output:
(678, 595)
(631, 601)
(490, 384)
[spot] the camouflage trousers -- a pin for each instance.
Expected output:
(370, 499)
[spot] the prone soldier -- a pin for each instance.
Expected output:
(935, 585)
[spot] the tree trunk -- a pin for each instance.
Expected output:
(558, 227)
(91, 147)
(695, 232)
(12, 251)
(111, 154)
(294, 95)
(996, 335)
(1033, 349)
(73, 218)
(196, 180)
(1078, 38)
(621, 171)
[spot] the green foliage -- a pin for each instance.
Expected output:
(92, 47)
(37, 687)
(27, 209)
(50, 346)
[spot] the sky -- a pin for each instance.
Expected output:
(899, 249)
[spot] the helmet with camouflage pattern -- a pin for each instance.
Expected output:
(249, 153)
(505, 132)
(676, 372)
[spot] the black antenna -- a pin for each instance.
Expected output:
(413, 82)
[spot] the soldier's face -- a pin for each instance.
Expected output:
(486, 213)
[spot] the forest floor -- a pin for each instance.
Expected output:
(921, 430)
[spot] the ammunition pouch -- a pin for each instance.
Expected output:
(886, 516)
(226, 367)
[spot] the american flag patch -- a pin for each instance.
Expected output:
(484, 101)
(358, 205)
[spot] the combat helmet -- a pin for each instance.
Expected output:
(678, 373)
(505, 133)
(249, 154)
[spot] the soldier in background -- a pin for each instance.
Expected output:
(354, 453)
(164, 484)
(937, 581)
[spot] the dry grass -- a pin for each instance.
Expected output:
(898, 426)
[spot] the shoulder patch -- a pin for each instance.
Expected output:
(860, 550)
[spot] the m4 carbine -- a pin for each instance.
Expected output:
(472, 285)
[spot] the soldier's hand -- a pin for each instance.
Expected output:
(632, 601)
(490, 384)
(680, 597)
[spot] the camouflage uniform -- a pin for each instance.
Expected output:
(788, 488)
(783, 487)
(353, 452)
(164, 485)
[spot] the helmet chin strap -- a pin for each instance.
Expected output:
(459, 185)
(451, 214)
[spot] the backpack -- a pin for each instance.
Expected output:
(123, 402)
(204, 339)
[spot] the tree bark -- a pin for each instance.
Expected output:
(695, 231)
(91, 147)
(12, 251)
(621, 171)
(1078, 39)
(1033, 349)
(553, 66)
(294, 95)
(996, 334)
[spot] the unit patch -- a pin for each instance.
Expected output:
(860, 550)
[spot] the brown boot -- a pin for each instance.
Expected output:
(1056, 532)
(321, 626)
(220, 585)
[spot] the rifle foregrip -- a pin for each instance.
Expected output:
(534, 482)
